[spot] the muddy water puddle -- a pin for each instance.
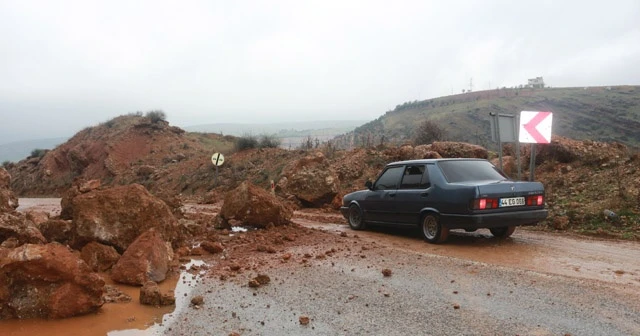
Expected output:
(50, 205)
(121, 319)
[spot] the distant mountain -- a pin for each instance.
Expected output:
(16, 151)
(587, 113)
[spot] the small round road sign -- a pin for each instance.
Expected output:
(217, 159)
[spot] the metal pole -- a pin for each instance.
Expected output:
(497, 117)
(532, 164)
(517, 129)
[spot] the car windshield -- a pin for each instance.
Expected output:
(457, 171)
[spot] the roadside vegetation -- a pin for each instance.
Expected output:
(249, 141)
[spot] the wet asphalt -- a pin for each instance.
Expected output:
(347, 294)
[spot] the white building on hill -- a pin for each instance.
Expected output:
(536, 83)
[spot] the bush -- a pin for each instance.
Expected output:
(156, 116)
(6, 164)
(269, 141)
(246, 142)
(428, 132)
(38, 153)
(307, 143)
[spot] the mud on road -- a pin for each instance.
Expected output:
(323, 273)
(532, 284)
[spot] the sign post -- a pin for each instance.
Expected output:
(504, 129)
(217, 159)
(535, 127)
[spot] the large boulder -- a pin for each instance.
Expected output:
(15, 225)
(8, 201)
(99, 257)
(310, 180)
(147, 258)
(449, 149)
(57, 230)
(37, 217)
(79, 186)
(117, 216)
(254, 207)
(46, 281)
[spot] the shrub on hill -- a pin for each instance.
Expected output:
(269, 141)
(246, 142)
(428, 132)
(38, 153)
(156, 116)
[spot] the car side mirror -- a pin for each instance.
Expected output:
(369, 185)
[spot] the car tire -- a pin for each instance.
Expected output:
(356, 222)
(503, 232)
(432, 230)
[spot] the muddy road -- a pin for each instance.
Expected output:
(533, 283)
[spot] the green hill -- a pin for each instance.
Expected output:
(596, 113)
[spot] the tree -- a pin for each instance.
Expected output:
(428, 132)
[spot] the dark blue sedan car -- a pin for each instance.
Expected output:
(438, 195)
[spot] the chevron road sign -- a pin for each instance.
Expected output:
(535, 127)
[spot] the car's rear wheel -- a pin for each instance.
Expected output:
(432, 230)
(502, 232)
(356, 221)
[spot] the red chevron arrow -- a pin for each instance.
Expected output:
(532, 127)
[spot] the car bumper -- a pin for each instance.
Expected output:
(345, 212)
(492, 220)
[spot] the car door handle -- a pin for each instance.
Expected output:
(425, 194)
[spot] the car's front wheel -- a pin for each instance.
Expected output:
(356, 221)
(502, 232)
(432, 230)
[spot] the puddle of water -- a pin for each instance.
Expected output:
(113, 319)
(182, 290)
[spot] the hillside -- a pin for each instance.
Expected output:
(597, 113)
(126, 149)
(582, 178)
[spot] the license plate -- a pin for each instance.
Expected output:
(507, 202)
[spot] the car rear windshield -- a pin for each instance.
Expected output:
(457, 171)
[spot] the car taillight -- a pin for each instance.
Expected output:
(535, 200)
(484, 203)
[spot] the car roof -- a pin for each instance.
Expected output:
(423, 161)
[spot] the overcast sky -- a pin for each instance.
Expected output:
(65, 65)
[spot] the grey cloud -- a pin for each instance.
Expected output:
(66, 65)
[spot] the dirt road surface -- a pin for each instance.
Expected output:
(534, 283)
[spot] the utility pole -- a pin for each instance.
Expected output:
(471, 84)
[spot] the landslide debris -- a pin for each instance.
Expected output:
(254, 206)
(117, 216)
(147, 258)
(46, 281)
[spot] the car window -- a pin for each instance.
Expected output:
(389, 179)
(456, 171)
(415, 177)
